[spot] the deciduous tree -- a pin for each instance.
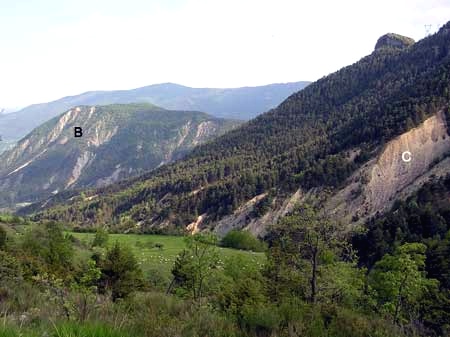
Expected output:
(398, 281)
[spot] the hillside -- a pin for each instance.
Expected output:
(314, 141)
(6, 145)
(239, 103)
(118, 141)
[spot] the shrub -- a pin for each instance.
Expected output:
(242, 240)
(346, 323)
(101, 238)
(49, 247)
(2, 238)
(261, 319)
(158, 278)
(9, 267)
(120, 272)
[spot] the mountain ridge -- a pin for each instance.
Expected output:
(234, 103)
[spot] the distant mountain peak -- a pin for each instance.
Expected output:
(392, 40)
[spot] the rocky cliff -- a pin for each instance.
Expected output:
(392, 40)
(404, 164)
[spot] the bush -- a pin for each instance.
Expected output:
(346, 323)
(101, 238)
(242, 240)
(2, 238)
(261, 319)
(121, 273)
(158, 278)
(11, 219)
(9, 267)
(49, 247)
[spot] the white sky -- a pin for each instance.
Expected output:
(55, 48)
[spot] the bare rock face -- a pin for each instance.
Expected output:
(392, 40)
(405, 163)
(392, 173)
(242, 217)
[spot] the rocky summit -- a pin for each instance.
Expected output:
(392, 40)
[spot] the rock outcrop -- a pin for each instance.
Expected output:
(242, 218)
(392, 40)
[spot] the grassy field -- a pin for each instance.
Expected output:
(151, 257)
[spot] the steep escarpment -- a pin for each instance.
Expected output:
(117, 141)
(316, 141)
(394, 170)
(403, 165)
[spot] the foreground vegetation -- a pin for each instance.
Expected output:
(57, 283)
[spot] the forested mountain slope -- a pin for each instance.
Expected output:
(313, 141)
(117, 141)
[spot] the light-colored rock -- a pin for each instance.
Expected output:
(242, 217)
(375, 186)
(194, 227)
(82, 161)
(115, 176)
(204, 130)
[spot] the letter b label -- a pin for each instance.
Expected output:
(78, 131)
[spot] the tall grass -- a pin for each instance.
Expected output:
(68, 330)
(88, 330)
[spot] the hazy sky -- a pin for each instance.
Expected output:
(55, 48)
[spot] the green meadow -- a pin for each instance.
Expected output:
(158, 252)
